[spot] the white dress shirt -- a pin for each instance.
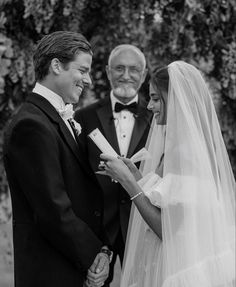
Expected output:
(54, 99)
(124, 124)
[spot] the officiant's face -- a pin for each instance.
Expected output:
(158, 104)
(74, 77)
(126, 74)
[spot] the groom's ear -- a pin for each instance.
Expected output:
(56, 66)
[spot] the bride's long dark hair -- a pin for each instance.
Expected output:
(160, 78)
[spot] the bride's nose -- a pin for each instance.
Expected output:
(150, 105)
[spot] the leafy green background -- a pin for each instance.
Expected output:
(201, 32)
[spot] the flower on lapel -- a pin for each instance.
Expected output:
(75, 126)
(67, 115)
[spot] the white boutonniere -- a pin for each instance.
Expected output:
(77, 127)
(67, 115)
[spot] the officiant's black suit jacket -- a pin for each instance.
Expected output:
(57, 205)
(116, 200)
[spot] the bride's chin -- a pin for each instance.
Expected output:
(160, 120)
(157, 118)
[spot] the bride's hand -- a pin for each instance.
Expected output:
(116, 168)
(132, 167)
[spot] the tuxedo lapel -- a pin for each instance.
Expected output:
(73, 144)
(142, 120)
(105, 116)
(54, 117)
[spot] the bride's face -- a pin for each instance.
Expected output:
(157, 104)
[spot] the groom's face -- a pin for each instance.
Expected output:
(74, 77)
(126, 74)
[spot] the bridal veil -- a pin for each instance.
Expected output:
(196, 194)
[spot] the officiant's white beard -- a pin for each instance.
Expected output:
(125, 92)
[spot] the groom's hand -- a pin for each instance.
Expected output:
(99, 271)
(99, 263)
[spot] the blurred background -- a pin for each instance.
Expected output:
(201, 32)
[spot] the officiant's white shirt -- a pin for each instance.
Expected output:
(124, 123)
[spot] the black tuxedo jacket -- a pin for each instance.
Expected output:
(116, 200)
(57, 204)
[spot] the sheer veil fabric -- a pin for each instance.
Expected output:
(196, 193)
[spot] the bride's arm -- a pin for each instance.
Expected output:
(150, 213)
(132, 167)
(118, 170)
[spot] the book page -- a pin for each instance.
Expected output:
(102, 143)
(104, 146)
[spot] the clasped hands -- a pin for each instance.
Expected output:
(98, 271)
(118, 168)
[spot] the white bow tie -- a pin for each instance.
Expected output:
(67, 113)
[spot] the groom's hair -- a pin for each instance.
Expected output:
(63, 45)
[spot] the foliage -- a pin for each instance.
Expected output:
(201, 32)
(204, 34)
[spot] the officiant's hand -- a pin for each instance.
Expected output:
(98, 271)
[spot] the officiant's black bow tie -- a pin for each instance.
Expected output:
(131, 107)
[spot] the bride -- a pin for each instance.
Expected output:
(182, 224)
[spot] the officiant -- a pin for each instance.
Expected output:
(124, 120)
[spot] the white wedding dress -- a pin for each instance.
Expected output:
(147, 262)
(196, 194)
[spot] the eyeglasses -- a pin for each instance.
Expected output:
(132, 70)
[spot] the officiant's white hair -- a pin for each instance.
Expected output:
(125, 47)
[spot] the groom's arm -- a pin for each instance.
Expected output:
(34, 151)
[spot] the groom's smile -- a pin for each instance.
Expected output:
(74, 77)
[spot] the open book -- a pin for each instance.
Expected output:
(104, 146)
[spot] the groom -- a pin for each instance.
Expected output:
(57, 205)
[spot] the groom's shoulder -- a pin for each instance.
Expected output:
(24, 111)
(31, 112)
